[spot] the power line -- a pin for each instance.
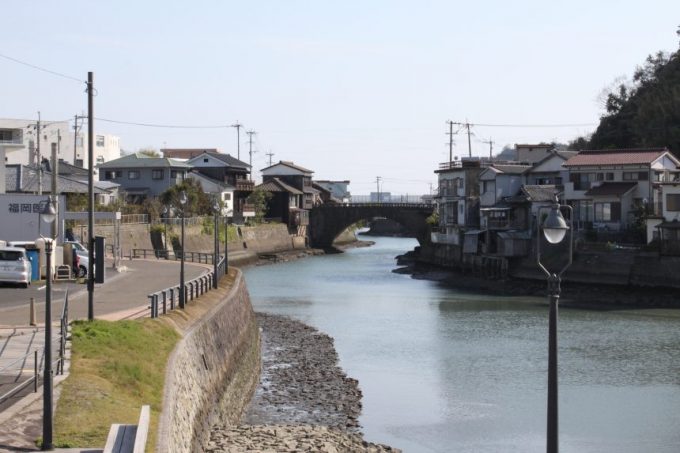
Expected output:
(49, 71)
(536, 125)
(168, 126)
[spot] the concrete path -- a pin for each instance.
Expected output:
(123, 296)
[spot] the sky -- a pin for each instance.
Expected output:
(351, 90)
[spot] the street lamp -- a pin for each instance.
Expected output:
(49, 214)
(182, 292)
(164, 215)
(554, 230)
(216, 209)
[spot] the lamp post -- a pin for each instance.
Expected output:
(182, 291)
(216, 256)
(48, 215)
(554, 230)
(226, 243)
(164, 215)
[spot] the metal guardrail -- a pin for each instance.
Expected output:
(61, 357)
(193, 288)
(194, 257)
(374, 205)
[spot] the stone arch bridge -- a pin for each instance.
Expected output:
(327, 221)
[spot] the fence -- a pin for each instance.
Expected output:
(177, 221)
(63, 335)
(192, 289)
(194, 257)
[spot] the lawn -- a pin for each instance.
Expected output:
(116, 367)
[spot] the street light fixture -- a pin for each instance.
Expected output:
(216, 256)
(182, 290)
(164, 218)
(555, 229)
(49, 215)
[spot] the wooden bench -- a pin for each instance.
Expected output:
(129, 438)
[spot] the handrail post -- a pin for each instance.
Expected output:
(35, 371)
(150, 296)
(172, 298)
(164, 302)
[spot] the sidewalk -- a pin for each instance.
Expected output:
(123, 296)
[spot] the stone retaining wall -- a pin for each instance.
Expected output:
(211, 374)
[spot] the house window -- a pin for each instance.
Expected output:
(111, 174)
(635, 176)
(673, 202)
(485, 186)
(173, 173)
(133, 174)
(607, 212)
(5, 135)
(100, 141)
(156, 174)
(609, 176)
(205, 160)
(100, 160)
(307, 182)
(226, 196)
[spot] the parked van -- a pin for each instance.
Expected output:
(15, 266)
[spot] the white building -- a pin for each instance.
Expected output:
(72, 149)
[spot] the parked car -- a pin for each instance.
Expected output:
(82, 258)
(15, 266)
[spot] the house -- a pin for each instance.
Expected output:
(186, 153)
(295, 176)
(457, 200)
(339, 189)
(141, 176)
(72, 148)
(528, 153)
(24, 179)
(284, 204)
(550, 170)
(227, 170)
(607, 187)
(668, 224)
(11, 139)
(219, 190)
(323, 195)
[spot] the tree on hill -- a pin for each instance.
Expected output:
(644, 112)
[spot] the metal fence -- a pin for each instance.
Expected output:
(165, 299)
(177, 221)
(194, 257)
(20, 362)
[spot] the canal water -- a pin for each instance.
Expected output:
(448, 371)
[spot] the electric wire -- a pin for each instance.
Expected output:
(166, 126)
(39, 68)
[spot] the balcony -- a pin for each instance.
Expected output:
(11, 137)
(244, 185)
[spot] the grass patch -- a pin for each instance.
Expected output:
(116, 367)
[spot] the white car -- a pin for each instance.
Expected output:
(15, 266)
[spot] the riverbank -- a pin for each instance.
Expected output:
(293, 255)
(578, 295)
(304, 402)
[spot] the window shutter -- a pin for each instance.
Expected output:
(616, 211)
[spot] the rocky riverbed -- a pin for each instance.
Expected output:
(304, 402)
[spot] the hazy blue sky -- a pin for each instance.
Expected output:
(351, 89)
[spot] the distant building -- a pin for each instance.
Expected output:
(293, 193)
(186, 153)
(339, 189)
(528, 153)
(141, 176)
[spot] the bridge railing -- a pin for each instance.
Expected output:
(376, 205)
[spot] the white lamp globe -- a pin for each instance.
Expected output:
(49, 214)
(555, 227)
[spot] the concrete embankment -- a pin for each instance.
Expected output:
(213, 371)
(607, 277)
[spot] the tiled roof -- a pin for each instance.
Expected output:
(141, 161)
(276, 185)
(289, 164)
(611, 188)
(633, 156)
(226, 158)
(511, 169)
(186, 153)
(196, 175)
(540, 193)
(23, 179)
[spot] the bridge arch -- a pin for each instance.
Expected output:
(327, 221)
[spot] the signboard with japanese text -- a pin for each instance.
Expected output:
(21, 217)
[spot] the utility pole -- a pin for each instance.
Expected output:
(250, 149)
(377, 183)
(450, 134)
(270, 154)
(40, 185)
(489, 142)
(54, 192)
(467, 125)
(238, 127)
(90, 196)
(75, 137)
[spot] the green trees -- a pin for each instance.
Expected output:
(259, 198)
(198, 202)
(644, 112)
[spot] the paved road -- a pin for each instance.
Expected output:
(122, 291)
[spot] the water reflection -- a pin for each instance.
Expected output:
(443, 370)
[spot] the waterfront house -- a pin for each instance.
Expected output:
(227, 170)
(550, 170)
(607, 188)
(667, 222)
(141, 176)
(283, 205)
(339, 189)
(218, 190)
(457, 201)
(293, 176)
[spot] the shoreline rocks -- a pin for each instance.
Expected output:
(304, 402)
